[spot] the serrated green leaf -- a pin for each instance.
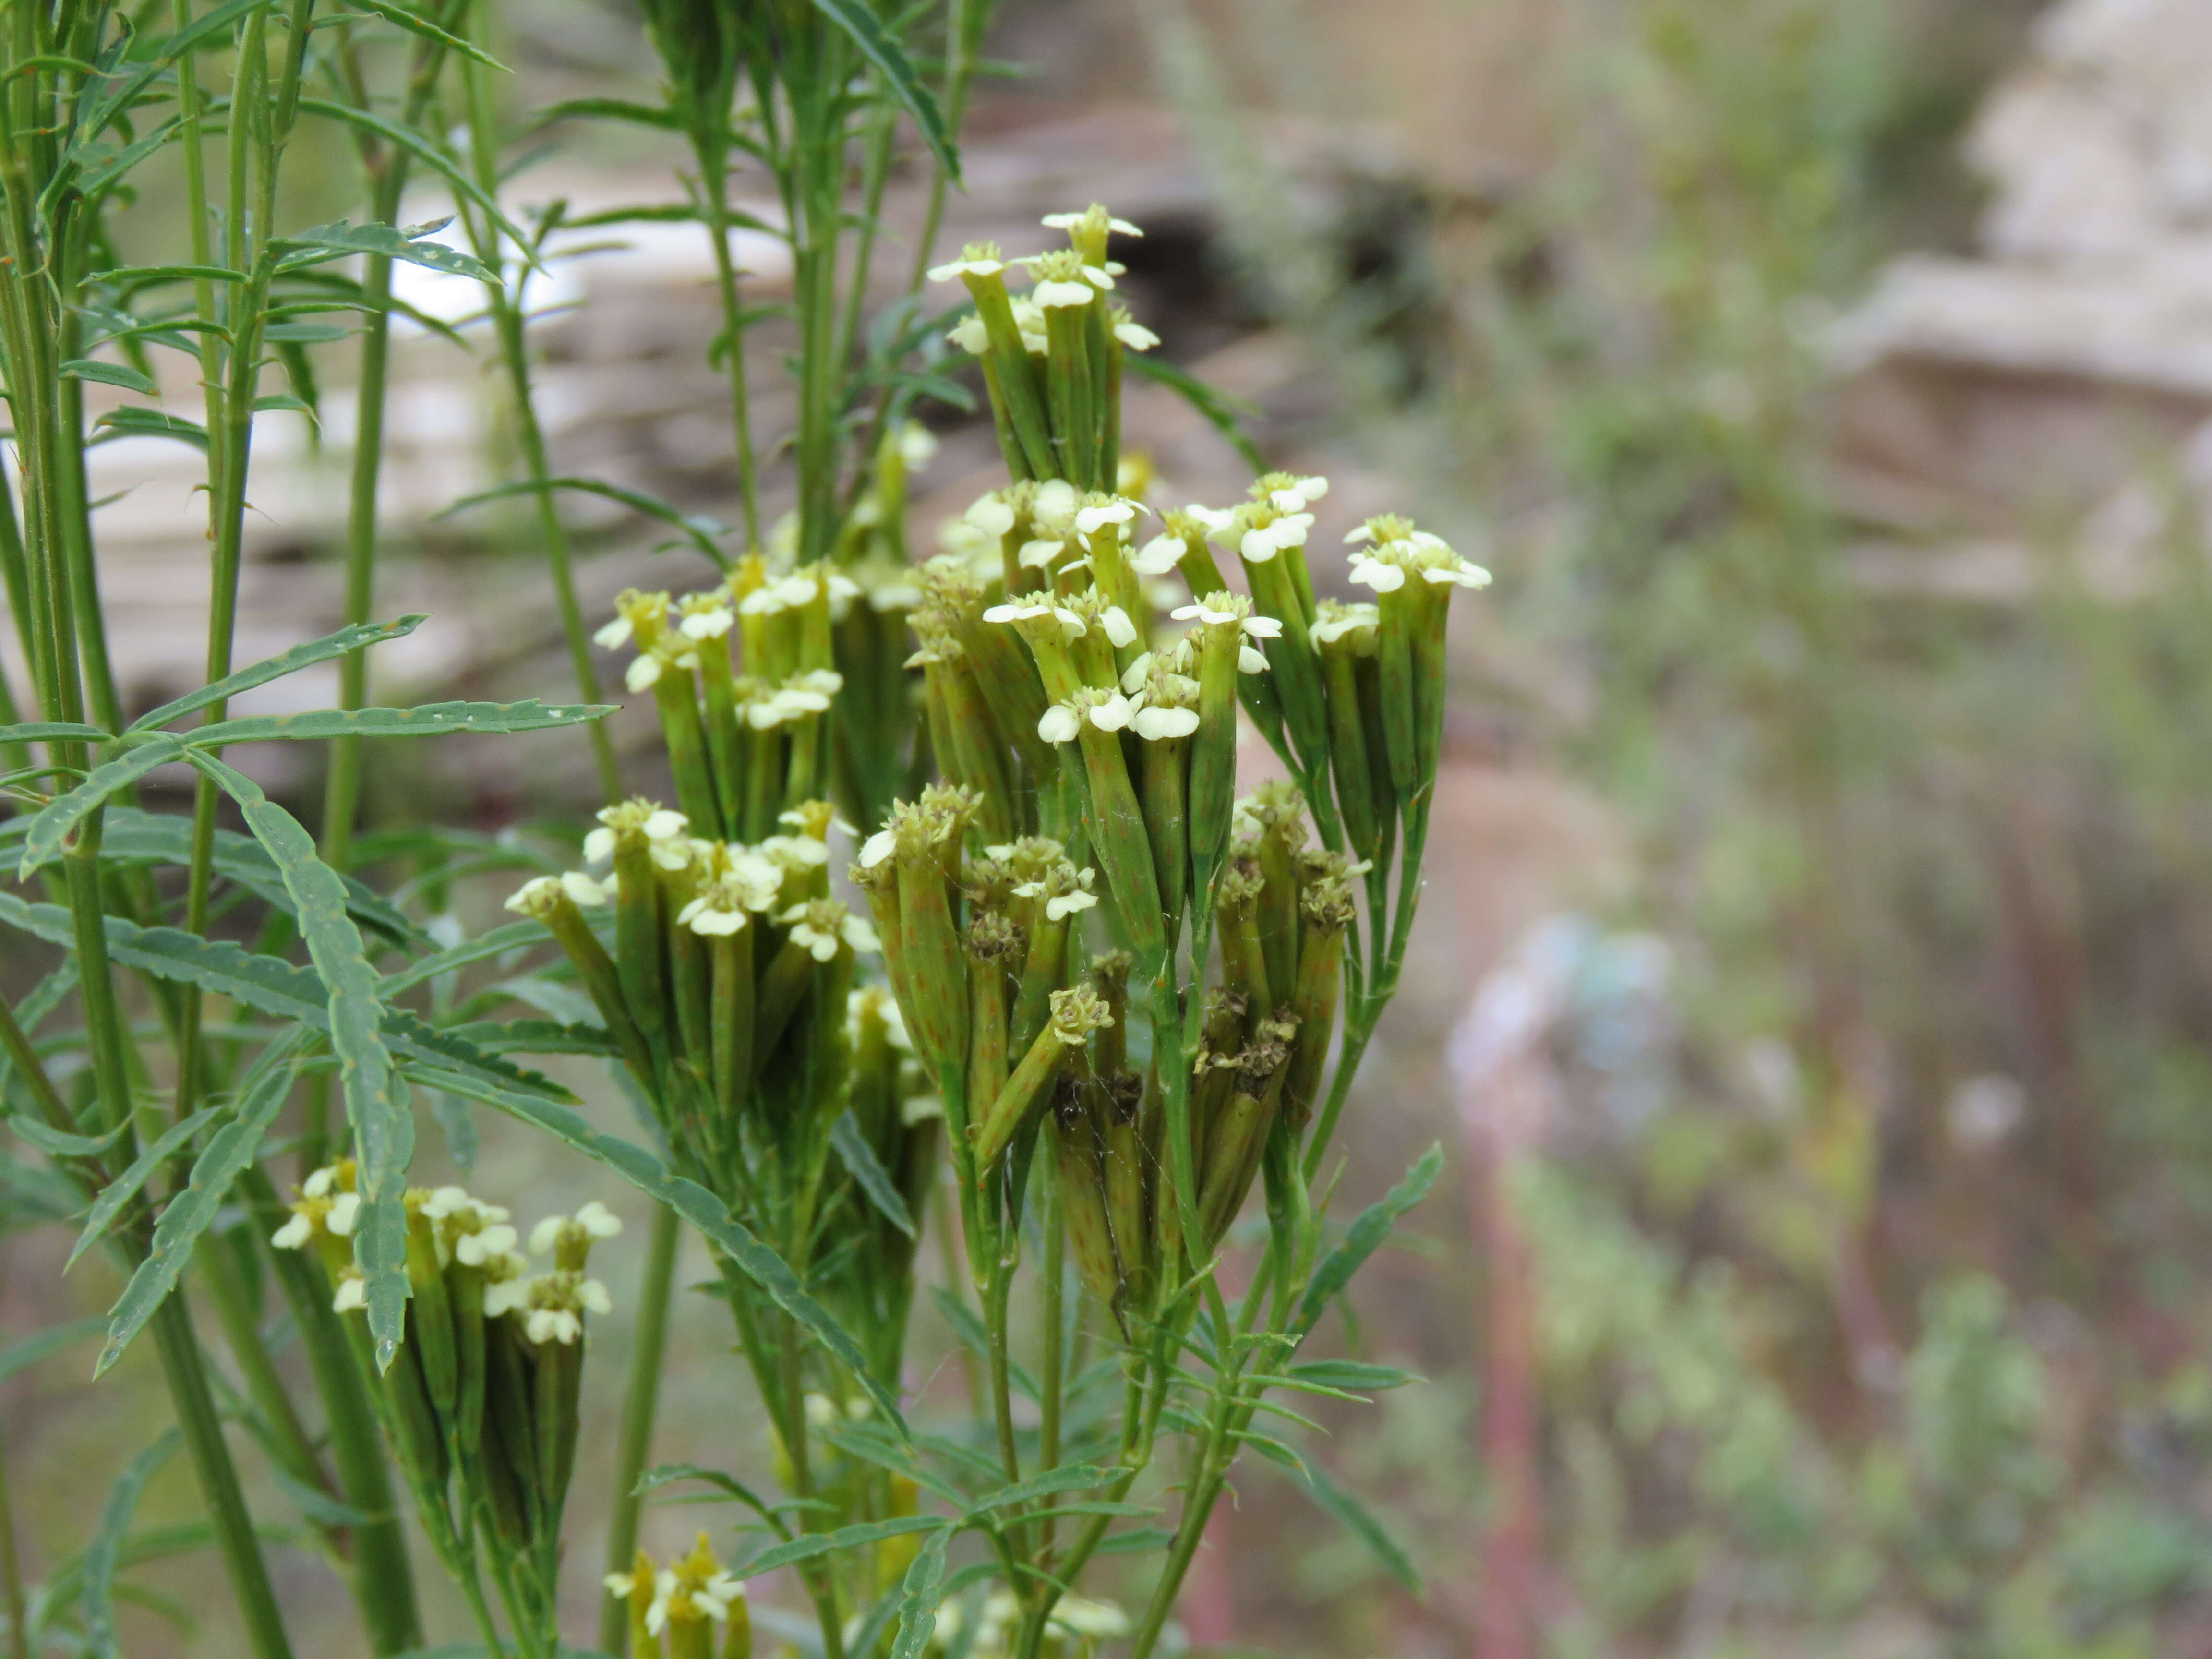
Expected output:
(188, 1214)
(808, 1546)
(610, 109)
(126, 1186)
(383, 242)
(344, 641)
(87, 368)
(860, 1161)
(1366, 1234)
(97, 1598)
(887, 1451)
(267, 984)
(44, 1344)
(515, 936)
(431, 720)
(925, 1577)
(859, 21)
(700, 529)
(56, 1143)
(537, 1036)
(383, 1128)
(54, 822)
(400, 135)
(136, 422)
(51, 732)
(697, 1206)
(1356, 1519)
(1073, 1477)
(664, 1474)
(415, 24)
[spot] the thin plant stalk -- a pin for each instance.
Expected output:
(511, 326)
(11, 1570)
(640, 1401)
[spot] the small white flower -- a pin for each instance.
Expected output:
(1249, 661)
(1299, 495)
(990, 514)
(1464, 573)
(620, 1584)
(507, 1296)
(345, 1213)
(665, 823)
(1059, 724)
(1263, 627)
(704, 915)
(1134, 676)
(552, 1325)
(1329, 629)
(1114, 714)
(293, 1234)
(1066, 904)
(1378, 574)
(1264, 542)
(1057, 293)
(1055, 499)
(917, 443)
(970, 336)
(643, 673)
(613, 634)
(599, 1221)
(1197, 611)
(1038, 554)
(353, 1292)
(708, 624)
(594, 1298)
(878, 847)
(318, 1184)
(1090, 519)
(441, 1203)
(545, 1233)
(1152, 724)
(972, 262)
(474, 1249)
(1159, 555)
(1119, 630)
(714, 1597)
(583, 889)
(1070, 220)
(1135, 334)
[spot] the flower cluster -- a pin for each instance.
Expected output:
(480, 1399)
(1052, 362)
(675, 1611)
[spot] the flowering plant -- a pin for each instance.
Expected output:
(949, 915)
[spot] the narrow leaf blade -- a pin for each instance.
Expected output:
(852, 1144)
(341, 643)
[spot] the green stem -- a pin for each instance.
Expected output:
(714, 191)
(639, 1399)
(11, 1570)
(289, 1446)
(1055, 1379)
(384, 1578)
(219, 1489)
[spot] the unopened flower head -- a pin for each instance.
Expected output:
(1093, 220)
(873, 1003)
(1097, 610)
(993, 936)
(1097, 510)
(976, 259)
(1064, 279)
(570, 1238)
(1274, 808)
(1076, 1012)
(1039, 620)
(821, 926)
(814, 819)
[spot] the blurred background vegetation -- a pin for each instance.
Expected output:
(1860, 1233)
